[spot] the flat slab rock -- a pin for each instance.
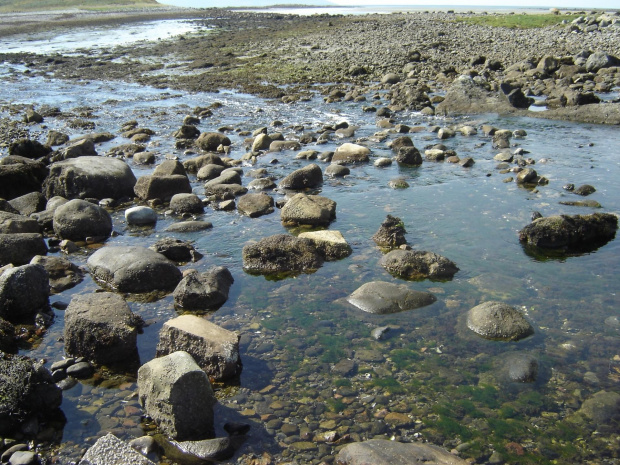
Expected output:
(382, 298)
(384, 452)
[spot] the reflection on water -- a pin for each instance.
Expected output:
(311, 365)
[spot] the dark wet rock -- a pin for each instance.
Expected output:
(602, 408)
(169, 168)
(307, 177)
(29, 148)
(214, 349)
(312, 210)
(79, 148)
(351, 153)
(109, 450)
(210, 141)
(415, 264)
(140, 215)
(20, 176)
(465, 96)
(186, 203)
(187, 131)
(101, 328)
(90, 177)
(189, 226)
(391, 233)
(281, 253)
(144, 158)
(581, 203)
(78, 219)
(571, 232)
(27, 393)
(498, 321)
(20, 248)
(162, 187)
(207, 450)
(193, 165)
(516, 97)
(24, 291)
(203, 291)
(210, 171)
(520, 367)
(62, 273)
(400, 142)
(527, 176)
(409, 156)
(5, 206)
(176, 393)
(176, 250)
(385, 452)
(255, 205)
(331, 244)
(29, 203)
(585, 190)
(337, 171)
(80, 370)
(55, 138)
(133, 269)
(381, 298)
(7, 337)
(12, 223)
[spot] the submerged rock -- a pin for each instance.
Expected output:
(414, 264)
(498, 321)
(62, 273)
(602, 407)
(381, 298)
(214, 349)
(282, 253)
(570, 232)
(520, 368)
(178, 396)
(385, 452)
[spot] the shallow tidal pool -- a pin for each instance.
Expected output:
(310, 364)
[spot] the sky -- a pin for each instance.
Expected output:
(566, 4)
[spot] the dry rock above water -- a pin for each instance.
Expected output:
(203, 291)
(282, 253)
(414, 264)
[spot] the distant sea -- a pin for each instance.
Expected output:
(380, 9)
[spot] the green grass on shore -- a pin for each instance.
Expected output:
(517, 21)
(7, 6)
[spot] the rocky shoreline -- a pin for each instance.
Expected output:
(61, 197)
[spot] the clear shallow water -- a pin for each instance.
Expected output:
(86, 40)
(430, 368)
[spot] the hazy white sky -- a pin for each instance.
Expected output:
(569, 4)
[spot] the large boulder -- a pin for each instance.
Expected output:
(203, 291)
(133, 269)
(90, 177)
(385, 452)
(28, 204)
(80, 148)
(19, 176)
(312, 210)
(215, 349)
(27, 394)
(78, 219)
(101, 328)
(24, 291)
(498, 321)
(255, 205)
(19, 249)
(304, 178)
(351, 153)
(416, 264)
(186, 203)
(176, 393)
(11, 223)
(600, 60)
(110, 450)
(380, 297)
(176, 250)
(162, 187)
(570, 232)
(62, 273)
(466, 96)
(391, 233)
(29, 148)
(281, 253)
(210, 141)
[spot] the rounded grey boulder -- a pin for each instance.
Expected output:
(498, 321)
(134, 269)
(303, 178)
(24, 291)
(78, 219)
